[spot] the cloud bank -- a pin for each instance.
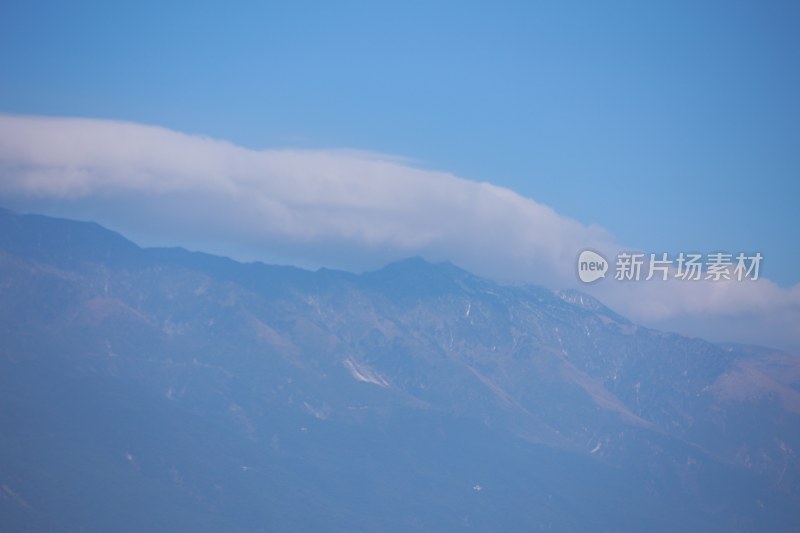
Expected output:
(345, 209)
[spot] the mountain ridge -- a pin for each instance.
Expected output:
(300, 368)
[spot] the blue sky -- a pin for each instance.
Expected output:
(675, 127)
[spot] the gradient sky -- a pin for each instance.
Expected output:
(676, 127)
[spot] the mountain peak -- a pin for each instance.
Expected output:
(416, 275)
(417, 264)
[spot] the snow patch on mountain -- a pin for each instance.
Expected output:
(364, 373)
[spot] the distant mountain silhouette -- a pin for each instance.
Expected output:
(166, 390)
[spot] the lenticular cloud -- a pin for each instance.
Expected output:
(355, 201)
(346, 209)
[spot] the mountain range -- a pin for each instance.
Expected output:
(157, 389)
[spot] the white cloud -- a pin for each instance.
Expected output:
(339, 208)
(355, 201)
(750, 312)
